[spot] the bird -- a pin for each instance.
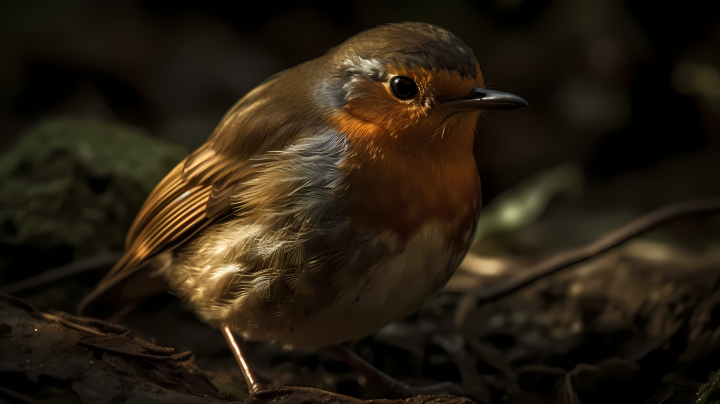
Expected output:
(332, 199)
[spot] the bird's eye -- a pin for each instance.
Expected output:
(403, 87)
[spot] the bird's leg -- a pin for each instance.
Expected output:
(252, 380)
(384, 382)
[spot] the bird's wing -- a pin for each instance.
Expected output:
(196, 193)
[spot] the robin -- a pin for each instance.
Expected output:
(332, 199)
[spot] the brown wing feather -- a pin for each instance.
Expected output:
(198, 191)
(153, 204)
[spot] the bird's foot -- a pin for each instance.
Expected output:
(257, 387)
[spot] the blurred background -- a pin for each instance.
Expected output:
(615, 86)
(623, 94)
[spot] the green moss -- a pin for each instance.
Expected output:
(80, 183)
(708, 393)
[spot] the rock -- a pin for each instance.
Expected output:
(78, 184)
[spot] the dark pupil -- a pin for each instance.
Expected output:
(403, 87)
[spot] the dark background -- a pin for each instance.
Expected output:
(618, 87)
(628, 91)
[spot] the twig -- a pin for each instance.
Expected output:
(54, 274)
(568, 258)
(70, 324)
(161, 350)
(180, 357)
(94, 322)
(167, 353)
(96, 327)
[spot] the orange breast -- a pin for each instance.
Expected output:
(403, 182)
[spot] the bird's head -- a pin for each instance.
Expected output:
(409, 82)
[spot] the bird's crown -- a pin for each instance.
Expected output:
(408, 44)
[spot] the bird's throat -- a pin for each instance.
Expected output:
(400, 182)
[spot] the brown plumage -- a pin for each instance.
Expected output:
(324, 204)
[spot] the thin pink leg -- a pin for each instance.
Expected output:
(253, 383)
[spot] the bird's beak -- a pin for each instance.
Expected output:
(483, 99)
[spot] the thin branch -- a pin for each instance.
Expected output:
(101, 328)
(180, 357)
(54, 274)
(101, 325)
(70, 324)
(568, 258)
(84, 325)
